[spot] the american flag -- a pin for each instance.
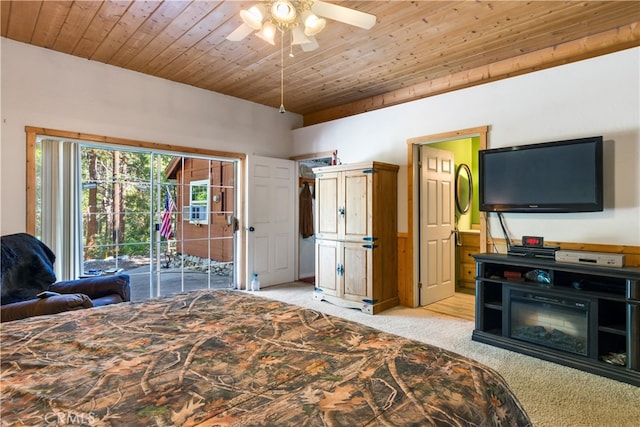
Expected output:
(166, 230)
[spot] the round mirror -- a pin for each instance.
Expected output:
(464, 188)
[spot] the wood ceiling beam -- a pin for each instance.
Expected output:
(625, 37)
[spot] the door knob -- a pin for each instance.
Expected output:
(252, 229)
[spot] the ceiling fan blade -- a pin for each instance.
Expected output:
(343, 14)
(312, 44)
(240, 33)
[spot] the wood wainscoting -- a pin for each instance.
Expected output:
(405, 254)
(405, 285)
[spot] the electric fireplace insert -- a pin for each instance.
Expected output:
(556, 322)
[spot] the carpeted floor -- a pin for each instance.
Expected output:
(553, 395)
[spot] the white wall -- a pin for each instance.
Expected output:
(599, 96)
(47, 89)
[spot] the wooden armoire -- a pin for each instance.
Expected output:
(356, 235)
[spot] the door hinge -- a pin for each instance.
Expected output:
(369, 246)
(369, 171)
(369, 239)
(419, 285)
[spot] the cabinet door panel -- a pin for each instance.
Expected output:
(357, 262)
(327, 196)
(357, 205)
(327, 261)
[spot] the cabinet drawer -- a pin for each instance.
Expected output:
(470, 238)
(466, 254)
(468, 272)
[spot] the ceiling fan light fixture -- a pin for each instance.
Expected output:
(268, 33)
(283, 11)
(301, 18)
(298, 36)
(254, 16)
(312, 24)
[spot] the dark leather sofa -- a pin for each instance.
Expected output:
(27, 270)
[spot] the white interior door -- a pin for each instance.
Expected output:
(437, 216)
(271, 192)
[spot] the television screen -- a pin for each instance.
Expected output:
(562, 176)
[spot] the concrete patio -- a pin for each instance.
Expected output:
(172, 278)
(172, 281)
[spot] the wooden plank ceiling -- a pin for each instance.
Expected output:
(416, 49)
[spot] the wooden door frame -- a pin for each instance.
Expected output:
(411, 290)
(300, 159)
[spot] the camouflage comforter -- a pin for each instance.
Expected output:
(225, 358)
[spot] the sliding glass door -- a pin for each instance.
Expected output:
(166, 219)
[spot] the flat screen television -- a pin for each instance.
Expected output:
(561, 176)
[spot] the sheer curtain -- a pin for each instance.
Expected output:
(61, 226)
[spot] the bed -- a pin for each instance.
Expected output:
(224, 358)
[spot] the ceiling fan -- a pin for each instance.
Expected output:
(304, 18)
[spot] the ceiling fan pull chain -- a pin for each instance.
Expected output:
(282, 110)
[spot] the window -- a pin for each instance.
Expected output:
(97, 203)
(199, 202)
